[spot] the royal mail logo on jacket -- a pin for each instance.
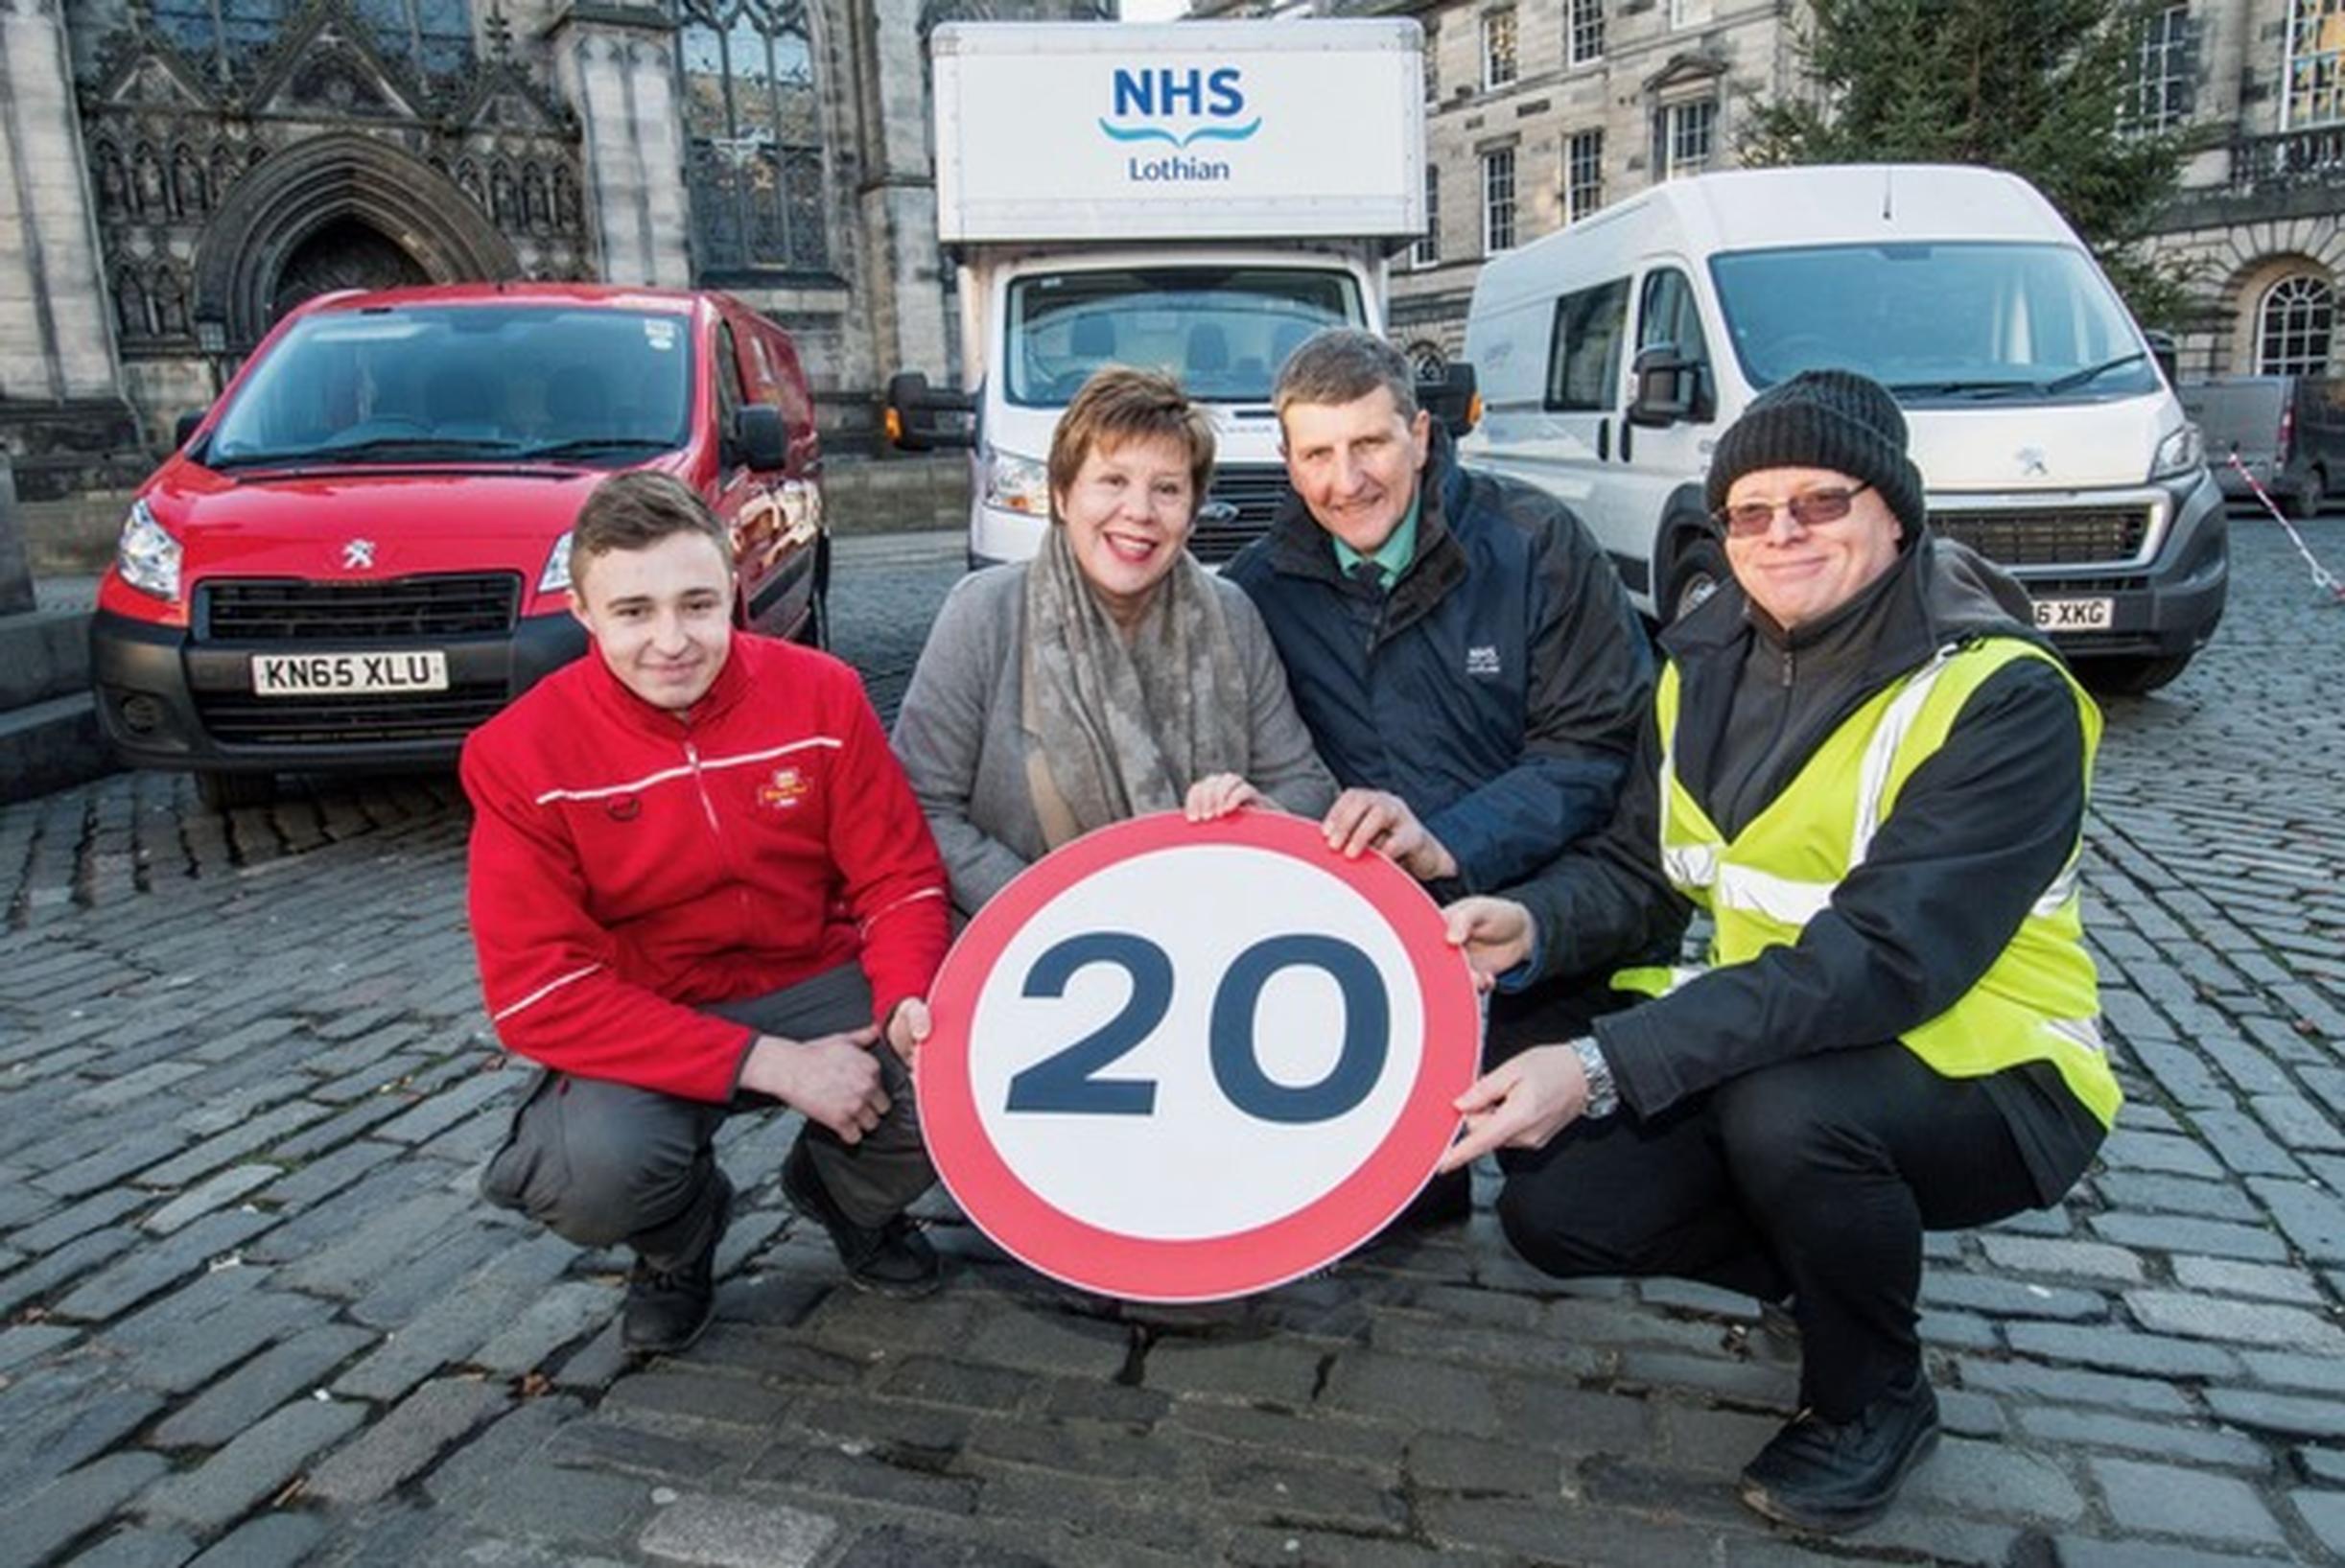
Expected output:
(786, 788)
(1481, 660)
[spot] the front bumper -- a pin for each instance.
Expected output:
(166, 700)
(2169, 606)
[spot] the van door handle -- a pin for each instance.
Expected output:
(1603, 440)
(1626, 430)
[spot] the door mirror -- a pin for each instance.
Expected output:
(760, 436)
(1453, 397)
(2163, 350)
(185, 430)
(1668, 387)
(922, 418)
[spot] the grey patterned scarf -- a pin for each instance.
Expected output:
(1120, 729)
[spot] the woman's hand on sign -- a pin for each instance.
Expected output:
(1520, 1104)
(1377, 819)
(1219, 794)
(832, 1079)
(1494, 934)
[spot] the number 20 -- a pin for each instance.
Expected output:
(1066, 1082)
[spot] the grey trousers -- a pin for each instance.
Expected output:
(602, 1162)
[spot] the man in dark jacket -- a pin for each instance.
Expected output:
(1870, 772)
(1459, 649)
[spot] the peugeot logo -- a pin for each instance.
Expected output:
(2031, 461)
(358, 555)
(1219, 514)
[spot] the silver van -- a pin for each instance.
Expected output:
(2288, 431)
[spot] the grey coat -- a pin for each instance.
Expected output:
(962, 745)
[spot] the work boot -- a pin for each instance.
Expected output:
(891, 1259)
(667, 1309)
(1835, 1476)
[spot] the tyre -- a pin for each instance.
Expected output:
(230, 791)
(2305, 503)
(2130, 675)
(1695, 571)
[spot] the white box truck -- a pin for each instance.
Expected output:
(1611, 355)
(1196, 197)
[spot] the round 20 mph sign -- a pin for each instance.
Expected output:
(1180, 1062)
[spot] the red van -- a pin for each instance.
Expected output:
(362, 550)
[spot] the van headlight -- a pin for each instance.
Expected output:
(2179, 452)
(146, 556)
(1017, 484)
(556, 579)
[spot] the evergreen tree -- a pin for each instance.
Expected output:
(2044, 88)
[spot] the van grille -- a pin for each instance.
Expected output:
(280, 610)
(239, 718)
(1255, 492)
(2051, 536)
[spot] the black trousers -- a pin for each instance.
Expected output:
(600, 1163)
(1814, 1179)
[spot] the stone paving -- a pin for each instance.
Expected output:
(252, 1313)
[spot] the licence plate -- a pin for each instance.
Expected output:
(306, 674)
(2075, 615)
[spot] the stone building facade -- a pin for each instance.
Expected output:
(2258, 222)
(176, 173)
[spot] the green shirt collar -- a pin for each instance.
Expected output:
(1394, 556)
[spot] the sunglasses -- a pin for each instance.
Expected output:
(1810, 509)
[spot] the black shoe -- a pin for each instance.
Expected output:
(892, 1259)
(667, 1309)
(1834, 1476)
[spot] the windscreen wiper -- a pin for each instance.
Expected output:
(589, 446)
(1980, 387)
(2077, 378)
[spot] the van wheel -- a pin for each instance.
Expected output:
(2307, 501)
(2131, 676)
(1697, 570)
(232, 791)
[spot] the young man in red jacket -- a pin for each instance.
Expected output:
(699, 883)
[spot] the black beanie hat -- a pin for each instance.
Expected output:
(1833, 419)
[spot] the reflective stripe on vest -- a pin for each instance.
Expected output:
(2037, 1001)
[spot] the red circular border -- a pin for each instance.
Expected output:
(1147, 1268)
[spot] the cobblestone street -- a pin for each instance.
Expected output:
(252, 1312)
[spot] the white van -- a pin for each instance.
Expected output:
(1184, 197)
(1612, 354)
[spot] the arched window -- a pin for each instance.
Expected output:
(433, 36)
(754, 120)
(2293, 327)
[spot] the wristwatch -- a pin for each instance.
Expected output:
(1603, 1095)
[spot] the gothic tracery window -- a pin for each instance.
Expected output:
(754, 120)
(432, 37)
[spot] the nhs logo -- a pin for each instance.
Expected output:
(1179, 107)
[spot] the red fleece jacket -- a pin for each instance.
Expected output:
(628, 863)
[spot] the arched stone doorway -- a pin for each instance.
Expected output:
(335, 205)
(345, 254)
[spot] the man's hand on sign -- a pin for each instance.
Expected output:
(1494, 934)
(1219, 794)
(907, 1027)
(1520, 1104)
(834, 1080)
(1377, 819)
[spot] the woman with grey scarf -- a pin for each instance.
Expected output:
(1110, 676)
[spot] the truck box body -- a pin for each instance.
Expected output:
(1179, 131)
(1195, 197)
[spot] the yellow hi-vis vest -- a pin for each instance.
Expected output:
(2037, 1002)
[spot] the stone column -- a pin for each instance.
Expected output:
(57, 337)
(897, 199)
(616, 62)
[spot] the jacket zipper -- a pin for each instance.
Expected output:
(716, 833)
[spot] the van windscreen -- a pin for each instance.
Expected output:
(457, 383)
(1953, 323)
(1223, 331)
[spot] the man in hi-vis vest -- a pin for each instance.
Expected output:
(1870, 772)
